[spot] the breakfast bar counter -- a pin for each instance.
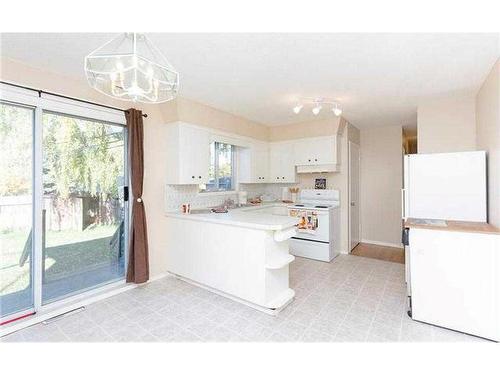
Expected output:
(242, 254)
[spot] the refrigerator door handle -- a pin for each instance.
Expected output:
(405, 236)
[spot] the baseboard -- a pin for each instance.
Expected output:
(380, 243)
(159, 276)
(98, 294)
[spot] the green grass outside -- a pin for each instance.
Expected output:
(66, 252)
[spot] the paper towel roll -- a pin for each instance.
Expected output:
(242, 197)
(285, 194)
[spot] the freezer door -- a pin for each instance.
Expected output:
(448, 186)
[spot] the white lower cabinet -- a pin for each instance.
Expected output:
(281, 162)
(188, 154)
(455, 280)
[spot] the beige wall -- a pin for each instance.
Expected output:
(201, 114)
(381, 183)
(488, 137)
(305, 129)
(446, 125)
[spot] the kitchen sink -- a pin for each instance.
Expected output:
(195, 211)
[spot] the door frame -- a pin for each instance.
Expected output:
(32, 99)
(349, 174)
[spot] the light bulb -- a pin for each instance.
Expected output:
(297, 108)
(316, 109)
(337, 111)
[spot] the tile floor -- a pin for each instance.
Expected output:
(351, 299)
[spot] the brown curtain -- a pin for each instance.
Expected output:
(138, 260)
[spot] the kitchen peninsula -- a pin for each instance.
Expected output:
(242, 254)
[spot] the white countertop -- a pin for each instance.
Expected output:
(248, 217)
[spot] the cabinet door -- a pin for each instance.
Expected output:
(261, 163)
(325, 150)
(281, 162)
(275, 164)
(302, 152)
(194, 155)
(316, 151)
(454, 280)
(253, 164)
(312, 151)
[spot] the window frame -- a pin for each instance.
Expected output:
(216, 169)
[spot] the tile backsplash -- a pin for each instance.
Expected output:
(176, 195)
(255, 190)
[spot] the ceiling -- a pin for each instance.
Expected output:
(378, 79)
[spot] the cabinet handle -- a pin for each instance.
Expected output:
(309, 159)
(283, 177)
(315, 159)
(199, 176)
(192, 176)
(277, 178)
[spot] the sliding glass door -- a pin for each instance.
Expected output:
(83, 207)
(16, 208)
(63, 201)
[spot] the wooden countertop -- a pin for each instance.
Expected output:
(454, 226)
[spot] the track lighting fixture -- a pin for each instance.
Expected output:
(297, 108)
(317, 104)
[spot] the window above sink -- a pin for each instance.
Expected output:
(221, 171)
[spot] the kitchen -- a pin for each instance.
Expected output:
(317, 235)
(267, 224)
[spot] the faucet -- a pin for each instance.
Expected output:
(228, 203)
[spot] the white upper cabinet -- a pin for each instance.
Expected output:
(253, 163)
(320, 154)
(188, 154)
(281, 162)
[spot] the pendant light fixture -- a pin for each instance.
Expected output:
(129, 67)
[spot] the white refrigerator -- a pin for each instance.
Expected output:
(447, 186)
(451, 277)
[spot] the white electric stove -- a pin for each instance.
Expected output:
(318, 233)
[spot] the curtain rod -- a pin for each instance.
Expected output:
(40, 92)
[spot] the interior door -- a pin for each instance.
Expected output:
(354, 220)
